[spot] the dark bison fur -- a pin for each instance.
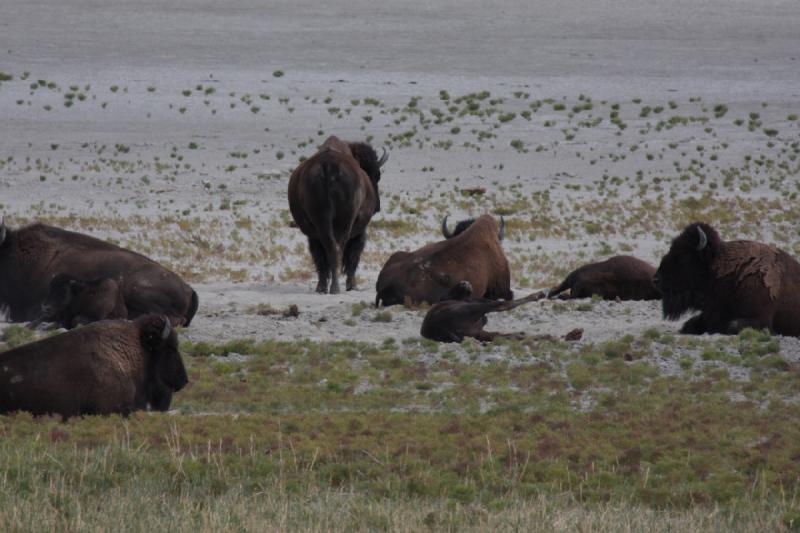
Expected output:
(474, 255)
(332, 197)
(620, 277)
(734, 284)
(71, 302)
(112, 366)
(460, 315)
(31, 256)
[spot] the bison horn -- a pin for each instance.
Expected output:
(167, 329)
(445, 232)
(703, 240)
(502, 232)
(384, 157)
(2, 230)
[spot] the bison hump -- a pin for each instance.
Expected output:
(751, 264)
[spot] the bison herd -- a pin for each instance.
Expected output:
(125, 355)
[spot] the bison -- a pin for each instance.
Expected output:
(620, 277)
(112, 366)
(734, 284)
(31, 256)
(472, 253)
(332, 197)
(71, 302)
(460, 315)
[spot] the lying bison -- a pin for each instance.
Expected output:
(620, 277)
(332, 197)
(471, 253)
(734, 284)
(31, 256)
(460, 315)
(71, 302)
(113, 366)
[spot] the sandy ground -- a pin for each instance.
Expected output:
(186, 118)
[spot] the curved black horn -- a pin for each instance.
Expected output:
(502, 232)
(384, 157)
(445, 232)
(703, 240)
(2, 230)
(167, 328)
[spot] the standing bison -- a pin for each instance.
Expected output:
(71, 302)
(471, 253)
(113, 366)
(622, 276)
(332, 197)
(734, 284)
(459, 314)
(30, 257)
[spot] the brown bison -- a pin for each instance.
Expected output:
(31, 256)
(471, 253)
(71, 302)
(460, 315)
(734, 284)
(113, 366)
(620, 277)
(332, 197)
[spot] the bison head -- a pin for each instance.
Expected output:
(685, 272)
(464, 224)
(369, 163)
(63, 288)
(166, 366)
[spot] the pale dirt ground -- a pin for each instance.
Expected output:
(697, 54)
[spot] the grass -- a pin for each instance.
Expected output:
(366, 436)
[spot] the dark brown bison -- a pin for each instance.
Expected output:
(734, 284)
(332, 197)
(460, 315)
(71, 302)
(113, 366)
(31, 256)
(620, 277)
(471, 253)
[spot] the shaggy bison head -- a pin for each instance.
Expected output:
(167, 373)
(685, 272)
(464, 224)
(63, 288)
(369, 163)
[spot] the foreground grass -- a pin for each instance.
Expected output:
(531, 435)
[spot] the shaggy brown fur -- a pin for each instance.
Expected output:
(460, 315)
(72, 302)
(113, 366)
(31, 256)
(734, 284)
(332, 197)
(425, 275)
(622, 276)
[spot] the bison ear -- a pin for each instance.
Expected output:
(155, 331)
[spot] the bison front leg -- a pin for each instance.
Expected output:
(320, 263)
(735, 326)
(352, 256)
(695, 325)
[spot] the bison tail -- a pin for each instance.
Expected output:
(555, 291)
(192, 309)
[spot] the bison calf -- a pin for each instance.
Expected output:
(459, 315)
(71, 302)
(622, 276)
(734, 284)
(113, 366)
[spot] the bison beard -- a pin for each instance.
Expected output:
(734, 284)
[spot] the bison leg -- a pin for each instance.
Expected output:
(333, 254)
(321, 264)
(735, 326)
(352, 255)
(695, 325)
